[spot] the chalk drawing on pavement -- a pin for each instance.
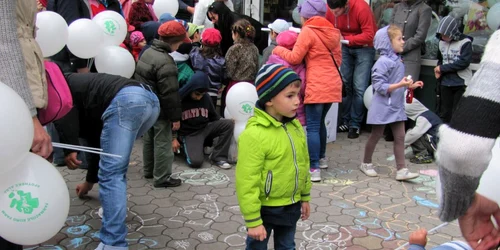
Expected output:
(203, 176)
(324, 236)
(237, 239)
(207, 211)
(206, 236)
(181, 244)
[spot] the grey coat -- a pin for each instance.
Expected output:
(414, 18)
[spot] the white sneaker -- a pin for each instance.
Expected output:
(323, 163)
(405, 174)
(315, 175)
(367, 168)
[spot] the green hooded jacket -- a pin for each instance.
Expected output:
(273, 166)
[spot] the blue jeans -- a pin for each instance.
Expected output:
(281, 220)
(132, 111)
(316, 132)
(356, 70)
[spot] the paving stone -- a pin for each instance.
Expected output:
(369, 242)
(141, 200)
(186, 244)
(144, 209)
(178, 233)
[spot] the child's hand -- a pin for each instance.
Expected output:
(405, 82)
(306, 210)
(175, 145)
(437, 72)
(258, 233)
(176, 126)
(419, 237)
(417, 84)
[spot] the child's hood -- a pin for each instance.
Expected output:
(324, 30)
(150, 31)
(199, 80)
(448, 26)
(383, 44)
(178, 57)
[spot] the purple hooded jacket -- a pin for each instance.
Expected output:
(386, 107)
(300, 69)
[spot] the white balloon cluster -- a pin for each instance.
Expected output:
(34, 198)
(240, 104)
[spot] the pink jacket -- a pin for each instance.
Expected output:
(300, 69)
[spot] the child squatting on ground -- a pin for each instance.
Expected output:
(387, 105)
(272, 175)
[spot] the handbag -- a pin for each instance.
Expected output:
(60, 100)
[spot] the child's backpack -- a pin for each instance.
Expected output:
(60, 101)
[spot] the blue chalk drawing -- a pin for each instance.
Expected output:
(76, 219)
(45, 247)
(77, 242)
(95, 235)
(78, 230)
(425, 202)
(377, 223)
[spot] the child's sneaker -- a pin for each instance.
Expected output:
(421, 159)
(405, 174)
(222, 164)
(315, 175)
(323, 163)
(367, 168)
(342, 128)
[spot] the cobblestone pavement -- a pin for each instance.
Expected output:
(348, 209)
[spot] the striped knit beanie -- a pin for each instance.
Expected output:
(272, 79)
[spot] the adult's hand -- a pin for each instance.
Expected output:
(176, 126)
(477, 226)
(42, 143)
(72, 161)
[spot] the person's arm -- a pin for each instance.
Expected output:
(200, 12)
(300, 49)
(424, 21)
(248, 178)
(168, 91)
(232, 61)
(12, 67)
(68, 128)
(464, 149)
(416, 247)
(380, 77)
(212, 113)
(462, 62)
(367, 23)
(422, 125)
(184, 6)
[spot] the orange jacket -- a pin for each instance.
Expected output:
(323, 83)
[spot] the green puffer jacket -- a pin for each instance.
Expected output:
(158, 69)
(273, 166)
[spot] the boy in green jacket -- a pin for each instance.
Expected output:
(272, 174)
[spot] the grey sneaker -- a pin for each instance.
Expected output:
(323, 163)
(315, 175)
(405, 174)
(223, 164)
(367, 168)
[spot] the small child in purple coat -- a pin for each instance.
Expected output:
(387, 105)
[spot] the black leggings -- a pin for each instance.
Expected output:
(398, 131)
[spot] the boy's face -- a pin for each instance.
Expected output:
(446, 38)
(197, 94)
(273, 35)
(196, 37)
(286, 103)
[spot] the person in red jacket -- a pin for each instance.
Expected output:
(357, 25)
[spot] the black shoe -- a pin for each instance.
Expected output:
(353, 133)
(342, 128)
(171, 182)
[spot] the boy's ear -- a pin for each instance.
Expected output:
(269, 103)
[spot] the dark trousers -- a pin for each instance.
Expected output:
(281, 220)
(193, 143)
(450, 96)
(422, 147)
(5, 245)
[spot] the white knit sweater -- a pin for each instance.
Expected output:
(200, 12)
(464, 149)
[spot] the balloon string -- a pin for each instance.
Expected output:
(90, 62)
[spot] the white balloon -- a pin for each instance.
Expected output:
(239, 126)
(367, 97)
(165, 6)
(113, 25)
(115, 60)
(488, 183)
(51, 33)
(16, 129)
(491, 3)
(227, 115)
(296, 16)
(34, 201)
(240, 101)
(493, 17)
(84, 38)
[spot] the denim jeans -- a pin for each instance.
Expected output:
(316, 131)
(356, 70)
(130, 114)
(281, 220)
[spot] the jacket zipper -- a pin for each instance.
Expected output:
(269, 184)
(294, 163)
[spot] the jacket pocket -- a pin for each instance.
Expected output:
(269, 184)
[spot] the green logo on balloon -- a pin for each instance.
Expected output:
(23, 205)
(110, 26)
(247, 108)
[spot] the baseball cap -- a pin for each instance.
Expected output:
(192, 28)
(279, 25)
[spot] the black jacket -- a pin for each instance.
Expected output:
(72, 10)
(182, 13)
(92, 93)
(158, 69)
(196, 114)
(226, 20)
